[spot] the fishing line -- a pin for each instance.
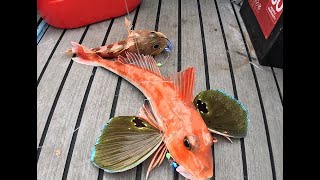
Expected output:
(163, 63)
(136, 44)
(262, 68)
(129, 17)
(128, 14)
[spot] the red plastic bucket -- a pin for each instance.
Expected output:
(68, 14)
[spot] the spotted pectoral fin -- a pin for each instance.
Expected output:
(124, 143)
(222, 113)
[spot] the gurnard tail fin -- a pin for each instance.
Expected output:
(84, 55)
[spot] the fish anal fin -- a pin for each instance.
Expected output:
(184, 83)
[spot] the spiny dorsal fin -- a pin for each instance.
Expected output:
(183, 83)
(146, 113)
(142, 61)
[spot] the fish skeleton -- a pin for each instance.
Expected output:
(145, 42)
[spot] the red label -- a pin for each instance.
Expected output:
(267, 13)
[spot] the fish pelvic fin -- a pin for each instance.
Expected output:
(157, 158)
(146, 113)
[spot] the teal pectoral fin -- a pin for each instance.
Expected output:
(125, 142)
(222, 113)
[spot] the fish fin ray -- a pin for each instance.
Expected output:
(183, 83)
(155, 159)
(141, 140)
(222, 113)
(145, 62)
(146, 113)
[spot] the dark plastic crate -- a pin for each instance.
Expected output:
(269, 51)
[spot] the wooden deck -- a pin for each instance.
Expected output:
(74, 101)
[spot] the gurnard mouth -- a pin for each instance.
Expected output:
(169, 46)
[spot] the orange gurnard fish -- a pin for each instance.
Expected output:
(170, 120)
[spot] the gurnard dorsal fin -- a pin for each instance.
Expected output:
(184, 83)
(141, 61)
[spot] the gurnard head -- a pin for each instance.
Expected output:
(150, 42)
(189, 143)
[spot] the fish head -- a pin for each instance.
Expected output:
(190, 146)
(151, 42)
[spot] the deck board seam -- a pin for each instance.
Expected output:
(243, 151)
(115, 99)
(259, 95)
(50, 56)
(206, 69)
(175, 173)
(179, 35)
(39, 21)
(156, 26)
(113, 109)
(44, 133)
(42, 31)
(83, 104)
(277, 84)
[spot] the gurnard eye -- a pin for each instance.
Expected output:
(186, 143)
(156, 46)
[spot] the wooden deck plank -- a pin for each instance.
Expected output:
(67, 110)
(191, 45)
(228, 159)
(118, 32)
(130, 98)
(168, 24)
(48, 87)
(256, 145)
(45, 47)
(274, 115)
(272, 104)
(247, 37)
(97, 110)
(279, 76)
(96, 114)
